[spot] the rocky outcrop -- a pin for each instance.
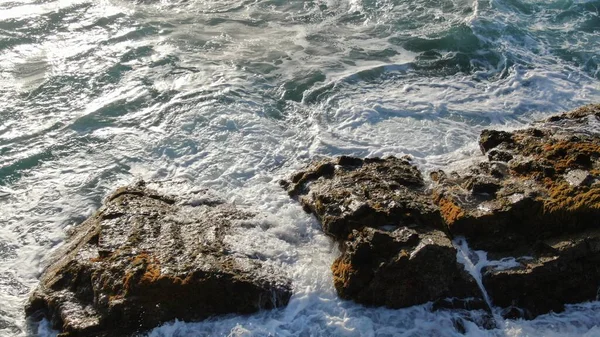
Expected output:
(349, 193)
(535, 183)
(535, 196)
(394, 248)
(145, 258)
(401, 268)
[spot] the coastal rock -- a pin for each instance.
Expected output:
(394, 248)
(405, 267)
(550, 186)
(146, 258)
(558, 271)
(350, 193)
(537, 198)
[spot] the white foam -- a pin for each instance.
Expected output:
(474, 262)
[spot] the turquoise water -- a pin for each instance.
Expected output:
(234, 95)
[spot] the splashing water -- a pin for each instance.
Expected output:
(476, 261)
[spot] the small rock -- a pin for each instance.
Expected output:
(499, 155)
(499, 170)
(490, 139)
(483, 185)
(437, 175)
(461, 303)
(513, 312)
(578, 177)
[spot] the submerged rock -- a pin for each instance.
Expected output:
(146, 258)
(394, 248)
(537, 195)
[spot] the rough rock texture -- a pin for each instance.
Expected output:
(560, 270)
(349, 193)
(550, 185)
(394, 249)
(146, 258)
(536, 195)
(405, 267)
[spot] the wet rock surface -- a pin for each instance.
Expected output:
(550, 186)
(349, 193)
(145, 258)
(394, 248)
(533, 196)
(558, 271)
(536, 196)
(401, 268)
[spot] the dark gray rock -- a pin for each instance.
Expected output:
(544, 205)
(562, 270)
(146, 258)
(401, 268)
(394, 248)
(349, 193)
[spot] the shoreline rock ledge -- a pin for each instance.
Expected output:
(395, 251)
(146, 258)
(533, 198)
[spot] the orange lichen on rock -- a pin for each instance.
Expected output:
(450, 211)
(113, 298)
(566, 155)
(146, 270)
(341, 272)
(152, 273)
(566, 198)
(133, 265)
(128, 281)
(540, 181)
(539, 196)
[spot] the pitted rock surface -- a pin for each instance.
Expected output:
(557, 271)
(394, 248)
(349, 193)
(549, 186)
(146, 258)
(537, 198)
(405, 267)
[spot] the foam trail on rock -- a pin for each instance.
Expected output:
(474, 262)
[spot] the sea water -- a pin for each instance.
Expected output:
(235, 95)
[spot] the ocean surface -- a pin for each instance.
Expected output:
(235, 95)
